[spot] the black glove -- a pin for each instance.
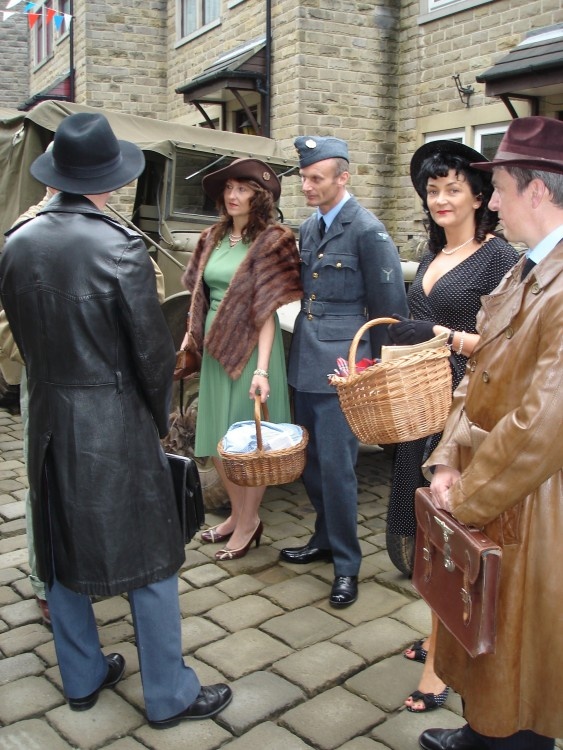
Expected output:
(408, 331)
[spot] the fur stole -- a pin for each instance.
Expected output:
(268, 277)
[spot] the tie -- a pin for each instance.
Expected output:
(528, 265)
(322, 227)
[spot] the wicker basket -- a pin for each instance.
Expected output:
(400, 400)
(263, 468)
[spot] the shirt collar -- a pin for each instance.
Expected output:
(543, 248)
(331, 215)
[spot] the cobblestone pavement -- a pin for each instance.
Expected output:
(303, 675)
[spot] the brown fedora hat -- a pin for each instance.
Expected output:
(530, 142)
(242, 169)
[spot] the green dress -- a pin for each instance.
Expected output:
(223, 401)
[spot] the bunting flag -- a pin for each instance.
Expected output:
(34, 13)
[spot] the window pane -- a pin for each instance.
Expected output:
(188, 17)
(210, 10)
(489, 144)
(188, 196)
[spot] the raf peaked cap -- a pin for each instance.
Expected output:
(312, 148)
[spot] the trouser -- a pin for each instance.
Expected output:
(169, 686)
(330, 478)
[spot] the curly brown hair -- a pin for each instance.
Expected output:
(262, 214)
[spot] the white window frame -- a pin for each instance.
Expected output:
(445, 135)
(430, 10)
(202, 24)
(482, 130)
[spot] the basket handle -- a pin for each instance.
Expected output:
(257, 406)
(358, 336)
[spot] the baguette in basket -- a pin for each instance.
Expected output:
(398, 400)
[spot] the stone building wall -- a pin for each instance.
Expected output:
(14, 70)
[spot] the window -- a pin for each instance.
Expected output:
(487, 139)
(430, 10)
(445, 135)
(187, 196)
(196, 14)
(61, 25)
(43, 32)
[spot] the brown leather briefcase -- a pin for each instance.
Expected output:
(456, 571)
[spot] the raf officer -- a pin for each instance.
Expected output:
(351, 273)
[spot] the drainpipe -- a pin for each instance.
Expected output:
(266, 126)
(71, 91)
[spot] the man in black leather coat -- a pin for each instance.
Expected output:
(80, 295)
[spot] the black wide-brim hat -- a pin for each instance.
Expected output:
(242, 169)
(531, 143)
(439, 147)
(87, 158)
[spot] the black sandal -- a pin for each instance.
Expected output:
(419, 652)
(431, 701)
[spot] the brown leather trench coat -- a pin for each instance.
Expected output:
(512, 486)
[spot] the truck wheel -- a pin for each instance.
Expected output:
(400, 549)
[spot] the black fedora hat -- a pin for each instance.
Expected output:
(439, 147)
(242, 169)
(87, 158)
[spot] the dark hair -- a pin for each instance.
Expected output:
(262, 214)
(439, 165)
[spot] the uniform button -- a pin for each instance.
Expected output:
(509, 333)
(313, 296)
(485, 377)
(535, 288)
(309, 317)
(339, 264)
(315, 275)
(321, 255)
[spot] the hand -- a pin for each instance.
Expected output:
(408, 331)
(259, 385)
(443, 480)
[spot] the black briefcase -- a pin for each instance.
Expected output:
(189, 495)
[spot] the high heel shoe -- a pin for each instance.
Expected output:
(235, 554)
(212, 536)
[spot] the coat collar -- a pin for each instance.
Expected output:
(501, 306)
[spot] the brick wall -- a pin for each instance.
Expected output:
(14, 70)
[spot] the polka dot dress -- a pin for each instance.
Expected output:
(454, 302)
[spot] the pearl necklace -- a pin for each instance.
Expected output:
(233, 239)
(455, 249)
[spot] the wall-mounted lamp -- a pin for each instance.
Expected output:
(463, 91)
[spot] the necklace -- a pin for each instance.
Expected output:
(233, 239)
(455, 249)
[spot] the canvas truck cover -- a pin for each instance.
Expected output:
(25, 135)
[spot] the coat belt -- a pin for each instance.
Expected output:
(318, 309)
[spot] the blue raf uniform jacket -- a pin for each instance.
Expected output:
(349, 276)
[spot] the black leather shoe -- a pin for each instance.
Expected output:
(211, 700)
(116, 668)
(450, 739)
(344, 591)
(304, 555)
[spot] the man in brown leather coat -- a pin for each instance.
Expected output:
(511, 483)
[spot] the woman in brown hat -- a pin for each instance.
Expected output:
(464, 260)
(243, 269)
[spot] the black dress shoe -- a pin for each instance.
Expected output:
(116, 668)
(304, 555)
(451, 739)
(344, 591)
(211, 700)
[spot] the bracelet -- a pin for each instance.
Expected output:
(450, 340)
(461, 339)
(262, 373)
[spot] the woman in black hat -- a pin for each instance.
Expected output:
(463, 261)
(243, 269)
